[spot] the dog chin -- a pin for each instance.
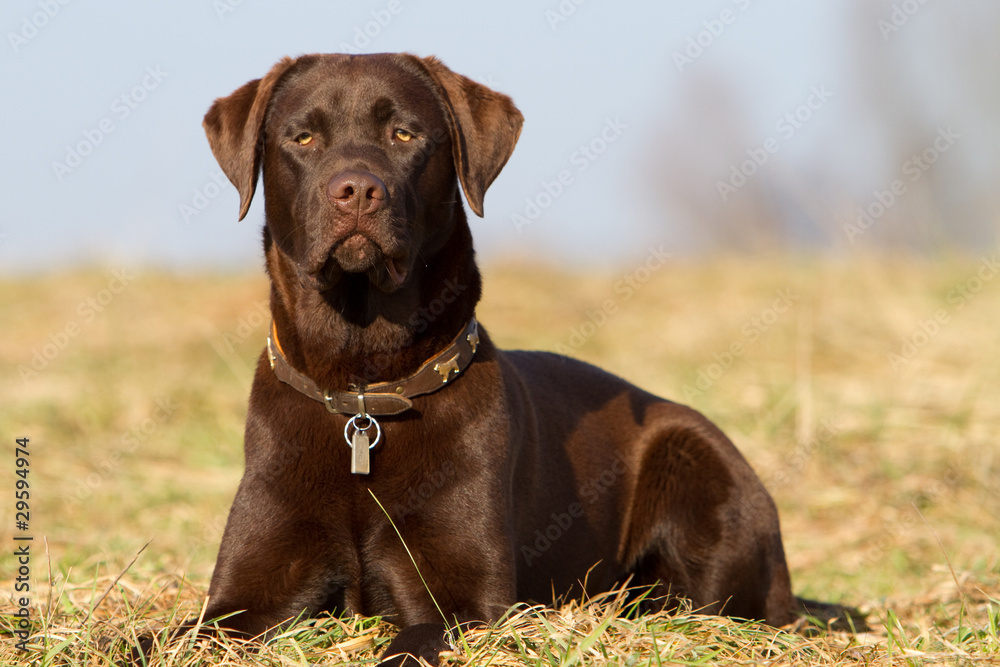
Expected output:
(386, 274)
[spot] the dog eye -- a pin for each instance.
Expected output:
(304, 139)
(402, 135)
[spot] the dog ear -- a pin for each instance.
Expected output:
(235, 129)
(485, 126)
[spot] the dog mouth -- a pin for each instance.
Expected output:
(358, 254)
(397, 270)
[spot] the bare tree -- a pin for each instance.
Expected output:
(912, 164)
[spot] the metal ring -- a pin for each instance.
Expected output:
(350, 423)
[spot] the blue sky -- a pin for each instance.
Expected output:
(128, 84)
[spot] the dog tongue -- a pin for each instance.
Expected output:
(396, 271)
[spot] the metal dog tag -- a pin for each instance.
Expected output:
(360, 443)
(360, 462)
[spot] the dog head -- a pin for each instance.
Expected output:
(360, 156)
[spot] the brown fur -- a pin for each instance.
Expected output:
(527, 473)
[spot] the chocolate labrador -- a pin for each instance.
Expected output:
(380, 404)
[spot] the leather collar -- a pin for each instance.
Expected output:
(383, 398)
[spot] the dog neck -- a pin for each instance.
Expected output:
(355, 334)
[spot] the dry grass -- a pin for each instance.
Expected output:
(887, 478)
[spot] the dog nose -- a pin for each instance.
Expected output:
(357, 191)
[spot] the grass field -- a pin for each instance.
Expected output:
(866, 394)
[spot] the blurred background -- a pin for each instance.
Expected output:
(739, 125)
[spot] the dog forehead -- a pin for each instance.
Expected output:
(360, 87)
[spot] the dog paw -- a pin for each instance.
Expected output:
(829, 616)
(424, 640)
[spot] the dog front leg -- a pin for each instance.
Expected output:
(471, 580)
(273, 565)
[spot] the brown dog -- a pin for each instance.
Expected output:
(509, 474)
